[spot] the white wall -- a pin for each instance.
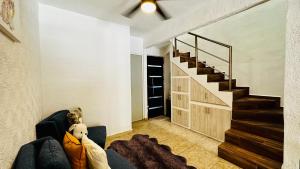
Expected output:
(136, 46)
(86, 62)
(20, 106)
(137, 87)
(292, 88)
(209, 12)
(258, 42)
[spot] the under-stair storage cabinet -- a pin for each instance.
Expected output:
(196, 108)
(180, 100)
(180, 84)
(181, 117)
(201, 94)
(211, 122)
(180, 97)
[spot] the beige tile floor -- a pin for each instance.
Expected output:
(200, 151)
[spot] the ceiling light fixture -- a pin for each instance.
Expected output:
(148, 7)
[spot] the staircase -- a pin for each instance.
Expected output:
(255, 140)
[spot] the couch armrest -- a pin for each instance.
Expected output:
(26, 158)
(98, 135)
(116, 161)
(48, 128)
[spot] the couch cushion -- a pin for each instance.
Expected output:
(26, 157)
(61, 121)
(116, 161)
(98, 135)
(96, 155)
(75, 151)
(52, 156)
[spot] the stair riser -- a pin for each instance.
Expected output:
(256, 105)
(258, 130)
(255, 147)
(202, 71)
(191, 64)
(240, 93)
(240, 161)
(236, 159)
(215, 78)
(274, 118)
(201, 65)
(225, 85)
(184, 59)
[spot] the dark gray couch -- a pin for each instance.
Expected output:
(47, 153)
(57, 124)
(54, 127)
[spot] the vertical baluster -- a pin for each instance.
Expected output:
(175, 47)
(196, 52)
(230, 68)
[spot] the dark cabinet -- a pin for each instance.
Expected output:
(155, 78)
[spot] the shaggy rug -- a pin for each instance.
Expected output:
(146, 153)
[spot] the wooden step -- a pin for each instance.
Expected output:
(269, 130)
(205, 70)
(246, 159)
(184, 59)
(201, 65)
(264, 115)
(239, 92)
(192, 62)
(224, 85)
(259, 145)
(186, 54)
(177, 53)
(215, 77)
(256, 102)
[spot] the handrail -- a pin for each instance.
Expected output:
(203, 51)
(213, 41)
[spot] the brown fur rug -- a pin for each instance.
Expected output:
(146, 153)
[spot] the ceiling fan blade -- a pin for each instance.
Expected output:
(132, 10)
(162, 13)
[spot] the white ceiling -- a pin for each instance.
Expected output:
(110, 10)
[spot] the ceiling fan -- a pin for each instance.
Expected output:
(148, 6)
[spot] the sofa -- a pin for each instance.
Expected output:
(54, 127)
(57, 124)
(36, 155)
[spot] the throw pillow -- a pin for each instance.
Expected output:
(96, 155)
(75, 151)
(52, 156)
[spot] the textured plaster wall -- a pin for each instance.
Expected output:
(209, 12)
(19, 84)
(292, 88)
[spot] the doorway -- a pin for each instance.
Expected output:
(136, 87)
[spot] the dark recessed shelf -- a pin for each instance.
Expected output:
(155, 76)
(156, 107)
(154, 87)
(155, 66)
(155, 97)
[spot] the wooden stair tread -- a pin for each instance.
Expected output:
(272, 126)
(253, 98)
(266, 115)
(276, 111)
(265, 129)
(258, 139)
(240, 155)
